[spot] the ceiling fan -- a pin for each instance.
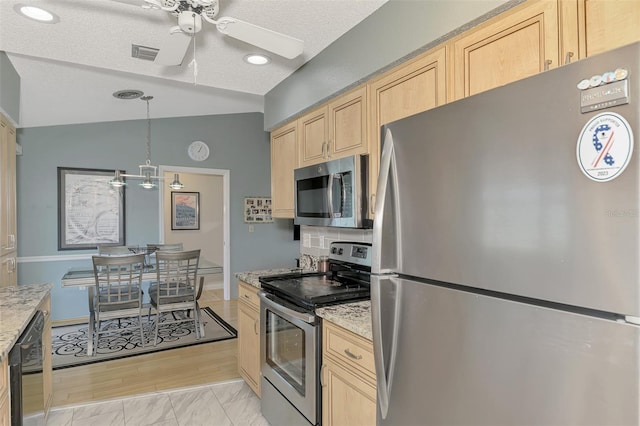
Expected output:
(190, 14)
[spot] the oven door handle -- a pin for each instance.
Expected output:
(269, 301)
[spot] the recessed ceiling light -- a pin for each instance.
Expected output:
(37, 14)
(257, 59)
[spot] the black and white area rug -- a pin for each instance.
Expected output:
(69, 342)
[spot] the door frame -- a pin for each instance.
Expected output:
(162, 169)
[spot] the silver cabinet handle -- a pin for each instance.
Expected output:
(322, 375)
(352, 355)
(329, 149)
(324, 149)
(547, 64)
(372, 203)
(567, 58)
(246, 296)
(255, 326)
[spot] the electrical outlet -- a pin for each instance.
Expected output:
(252, 228)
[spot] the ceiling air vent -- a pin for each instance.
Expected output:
(144, 52)
(128, 94)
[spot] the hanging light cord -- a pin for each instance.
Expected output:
(194, 64)
(148, 134)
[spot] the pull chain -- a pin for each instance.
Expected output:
(194, 64)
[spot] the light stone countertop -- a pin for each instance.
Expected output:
(253, 277)
(17, 307)
(355, 317)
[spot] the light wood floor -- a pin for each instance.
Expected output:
(193, 365)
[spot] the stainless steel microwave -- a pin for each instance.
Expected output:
(333, 193)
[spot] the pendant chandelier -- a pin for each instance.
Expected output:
(148, 172)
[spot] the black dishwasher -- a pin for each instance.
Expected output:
(25, 375)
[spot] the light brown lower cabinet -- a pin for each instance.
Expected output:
(5, 407)
(249, 335)
(348, 378)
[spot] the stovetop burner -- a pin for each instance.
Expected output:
(346, 281)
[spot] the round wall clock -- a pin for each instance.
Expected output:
(198, 151)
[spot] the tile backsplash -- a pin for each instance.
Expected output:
(316, 240)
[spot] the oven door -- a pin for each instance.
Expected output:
(289, 352)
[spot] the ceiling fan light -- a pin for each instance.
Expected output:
(176, 184)
(257, 59)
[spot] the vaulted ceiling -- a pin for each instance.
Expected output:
(69, 69)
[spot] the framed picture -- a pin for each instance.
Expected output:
(185, 210)
(257, 210)
(90, 211)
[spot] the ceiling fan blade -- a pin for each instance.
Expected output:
(280, 44)
(173, 48)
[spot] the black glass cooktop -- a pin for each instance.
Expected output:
(313, 290)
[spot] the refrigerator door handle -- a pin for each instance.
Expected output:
(384, 366)
(386, 175)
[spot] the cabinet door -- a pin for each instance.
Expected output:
(347, 399)
(249, 345)
(283, 161)
(8, 270)
(7, 187)
(312, 144)
(5, 407)
(348, 125)
(415, 87)
(512, 46)
(607, 24)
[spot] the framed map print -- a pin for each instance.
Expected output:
(90, 211)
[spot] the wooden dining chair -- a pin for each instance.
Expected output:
(117, 294)
(176, 289)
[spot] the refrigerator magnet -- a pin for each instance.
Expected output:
(605, 146)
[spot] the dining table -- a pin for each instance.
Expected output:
(83, 277)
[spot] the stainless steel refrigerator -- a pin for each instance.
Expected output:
(506, 275)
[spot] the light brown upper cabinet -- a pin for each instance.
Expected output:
(8, 239)
(516, 44)
(283, 161)
(335, 130)
(606, 24)
(416, 86)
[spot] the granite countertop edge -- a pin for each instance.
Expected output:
(18, 304)
(355, 317)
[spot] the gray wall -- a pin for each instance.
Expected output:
(237, 142)
(9, 89)
(399, 29)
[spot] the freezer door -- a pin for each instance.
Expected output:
(487, 192)
(447, 357)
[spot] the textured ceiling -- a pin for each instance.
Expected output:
(70, 69)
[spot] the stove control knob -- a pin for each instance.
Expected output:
(340, 251)
(333, 250)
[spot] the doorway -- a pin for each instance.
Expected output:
(213, 188)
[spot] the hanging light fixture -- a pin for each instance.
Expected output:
(148, 172)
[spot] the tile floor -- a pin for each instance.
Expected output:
(225, 404)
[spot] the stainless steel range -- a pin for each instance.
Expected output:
(290, 333)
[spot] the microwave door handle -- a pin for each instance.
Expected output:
(330, 193)
(343, 188)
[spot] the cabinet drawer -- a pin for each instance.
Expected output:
(349, 349)
(248, 294)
